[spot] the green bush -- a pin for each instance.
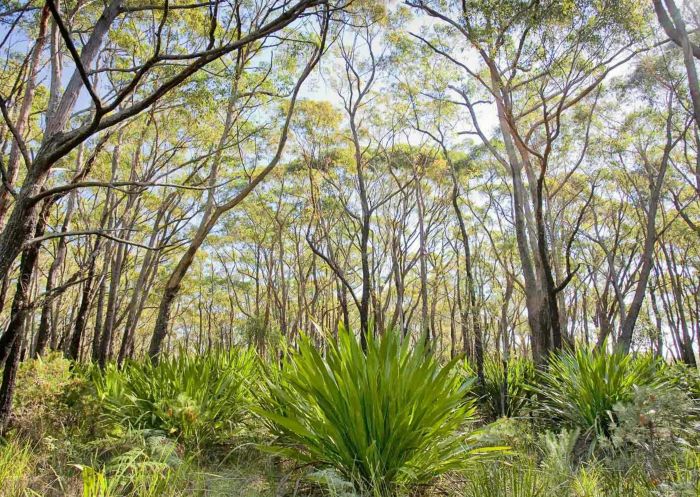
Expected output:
(505, 390)
(384, 419)
(145, 464)
(595, 480)
(53, 398)
(558, 453)
(686, 378)
(515, 433)
(653, 427)
(683, 479)
(580, 389)
(198, 399)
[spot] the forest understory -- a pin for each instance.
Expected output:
(386, 422)
(404, 248)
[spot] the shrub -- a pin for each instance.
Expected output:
(146, 465)
(684, 477)
(685, 377)
(505, 390)
(581, 388)
(558, 453)
(385, 418)
(597, 481)
(515, 433)
(653, 427)
(198, 399)
(51, 397)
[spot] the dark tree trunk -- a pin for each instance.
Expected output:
(12, 339)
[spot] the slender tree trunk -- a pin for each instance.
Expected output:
(471, 307)
(46, 322)
(13, 161)
(12, 338)
(627, 329)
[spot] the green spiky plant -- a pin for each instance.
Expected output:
(505, 391)
(198, 399)
(581, 388)
(387, 418)
(519, 478)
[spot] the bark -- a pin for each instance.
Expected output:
(11, 341)
(23, 117)
(76, 337)
(423, 261)
(675, 28)
(46, 322)
(471, 307)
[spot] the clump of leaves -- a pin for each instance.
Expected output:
(504, 392)
(653, 428)
(558, 453)
(515, 433)
(146, 464)
(198, 399)
(581, 388)
(51, 397)
(519, 479)
(384, 418)
(596, 480)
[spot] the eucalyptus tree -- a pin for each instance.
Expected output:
(118, 59)
(135, 83)
(535, 63)
(361, 61)
(670, 16)
(214, 207)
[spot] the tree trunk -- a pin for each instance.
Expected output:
(10, 349)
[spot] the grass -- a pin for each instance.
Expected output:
(15, 467)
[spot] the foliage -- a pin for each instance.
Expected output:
(51, 396)
(596, 480)
(150, 468)
(199, 399)
(558, 452)
(653, 427)
(685, 377)
(515, 433)
(684, 477)
(15, 467)
(520, 479)
(580, 389)
(505, 389)
(384, 418)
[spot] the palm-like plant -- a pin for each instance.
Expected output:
(505, 391)
(199, 399)
(581, 388)
(384, 418)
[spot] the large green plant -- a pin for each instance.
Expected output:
(581, 388)
(199, 399)
(385, 418)
(505, 391)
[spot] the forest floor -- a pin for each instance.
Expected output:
(61, 443)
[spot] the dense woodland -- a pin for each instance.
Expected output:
(216, 193)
